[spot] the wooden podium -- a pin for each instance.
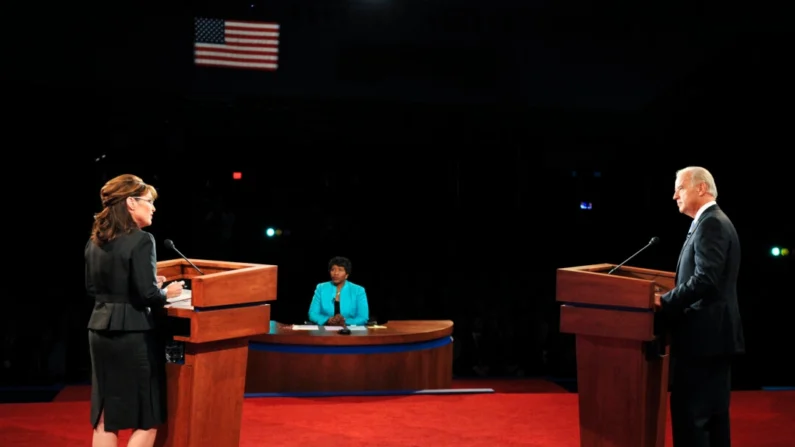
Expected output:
(228, 306)
(622, 365)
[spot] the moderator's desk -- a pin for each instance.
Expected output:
(405, 355)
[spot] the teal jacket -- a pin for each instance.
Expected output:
(353, 303)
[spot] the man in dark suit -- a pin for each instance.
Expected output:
(702, 316)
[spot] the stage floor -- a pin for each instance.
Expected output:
(520, 412)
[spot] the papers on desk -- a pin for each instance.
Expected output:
(185, 295)
(314, 327)
(183, 301)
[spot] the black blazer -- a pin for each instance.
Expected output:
(121, 279)
(702, 311)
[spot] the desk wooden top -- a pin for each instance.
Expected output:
(394, 332)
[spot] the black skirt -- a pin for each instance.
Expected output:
(128, 379)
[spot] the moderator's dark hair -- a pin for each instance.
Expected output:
(340, 262)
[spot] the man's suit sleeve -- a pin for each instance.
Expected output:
(143, 268)
(711, 244)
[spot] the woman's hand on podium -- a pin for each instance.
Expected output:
(336, 320)
(174, 289)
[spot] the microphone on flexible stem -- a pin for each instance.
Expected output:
(653, 241)
(170, 244)
(344, 330)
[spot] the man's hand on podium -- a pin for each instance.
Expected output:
(659, 291)
(160, 281)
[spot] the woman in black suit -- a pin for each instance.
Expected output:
(127, 364)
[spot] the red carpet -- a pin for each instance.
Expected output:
(532, 385)
(759, 418)
(511, 385)
(83, 392)
(74, 393)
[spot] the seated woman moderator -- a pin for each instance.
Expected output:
(339, 301)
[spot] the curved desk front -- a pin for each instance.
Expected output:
(402, 356)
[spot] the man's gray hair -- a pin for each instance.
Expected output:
(699, 175)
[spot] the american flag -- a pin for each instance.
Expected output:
(236, 44)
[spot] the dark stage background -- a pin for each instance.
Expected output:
(444, 147)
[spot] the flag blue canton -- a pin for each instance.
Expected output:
(210, 31)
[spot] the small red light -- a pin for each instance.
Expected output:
(237, 175)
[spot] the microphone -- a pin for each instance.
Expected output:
(344, 330)
(653, 241)
(170, 244)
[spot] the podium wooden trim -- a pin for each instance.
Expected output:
(622, 363)
(229, 305)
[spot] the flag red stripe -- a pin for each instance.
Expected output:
(243, 24)
(226, 49)
(256, 45)
(238, 59)
(247, 67)
(250, 28)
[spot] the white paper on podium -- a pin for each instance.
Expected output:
(352, 328)
(183, 301)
